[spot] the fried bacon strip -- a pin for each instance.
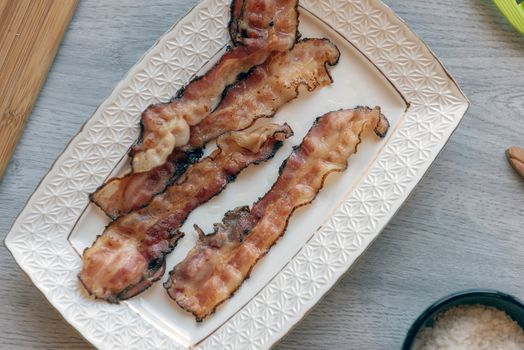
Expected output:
(264, 90)
(216, 267)
(268, 87)
(256, 22)
(130, 255)
(166, 125)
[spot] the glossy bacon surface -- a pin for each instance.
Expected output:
(130, 255)
(263, 91)
(268, 87)
(121, 195)
(216, 267)
(166, 125)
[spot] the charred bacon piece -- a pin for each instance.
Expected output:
(256, 22)
(260, 94)
(130, 255)
(516, 159)
(166, 125)
(216, 267)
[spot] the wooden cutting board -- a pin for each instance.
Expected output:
(30, 34)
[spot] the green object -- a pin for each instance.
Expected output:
(513, 10)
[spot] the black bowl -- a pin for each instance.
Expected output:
(511, 305)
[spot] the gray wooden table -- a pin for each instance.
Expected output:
(463, 227)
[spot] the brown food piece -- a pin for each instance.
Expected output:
(166, 125)
(130, 254)
(219, 263)
(516, 159)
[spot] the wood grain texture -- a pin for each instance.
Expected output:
(516, 159)
(30, 34)
(463, 227)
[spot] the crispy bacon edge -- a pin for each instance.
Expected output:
(238, 224)
(230, 115)
(114, 198)
(160, 237)
(165, 126)
(235, 12)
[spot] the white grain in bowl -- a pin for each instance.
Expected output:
(471, 327)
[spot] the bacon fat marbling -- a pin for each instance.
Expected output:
(261, 93)
(130, 254)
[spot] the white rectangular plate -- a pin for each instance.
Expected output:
(382, 63)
